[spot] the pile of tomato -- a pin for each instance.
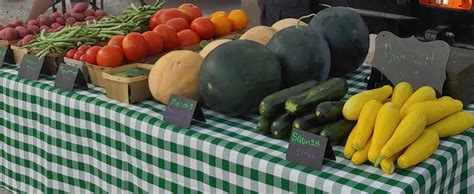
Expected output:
(171, 28)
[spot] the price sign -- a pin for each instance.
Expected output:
(30, 67)
(309, 149)
(69, 77)
(181, 111)
(5, 56)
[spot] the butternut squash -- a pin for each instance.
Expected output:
(401, 93)
(424, 93)
(453, 124)
(409, 129)
(175, 73)
(436, 110)
(420, 150)
(354, 104)
(365, 124)
(385, 124)
(348, 148)
(360, 157)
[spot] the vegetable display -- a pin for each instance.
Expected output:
(72, 36)
(404, 131)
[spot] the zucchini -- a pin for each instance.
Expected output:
(264, 126)
(333, 89)
(305, 122)
(329, 111)
(274, 104)
(281, 127)
(316, 130)
(338, 131)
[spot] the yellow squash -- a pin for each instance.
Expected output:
(445, 98)
(388, 164)
(348, 148)
(436, 110)
(353, 106)
(409, 129)
(401, 93)
(424, 93)
(365, 124)
(453, 124)
(420, 150)
(360, 157)
(385, 124)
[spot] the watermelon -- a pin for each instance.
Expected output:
(347, 36)
(236, 76)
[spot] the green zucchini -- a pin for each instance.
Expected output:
(264, 126)
(333, 89)
(338, 131)
(274, 104)
(329, 111)
(316, 130)
(305, 122)
(281, 127)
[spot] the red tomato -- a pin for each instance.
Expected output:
(134, 47)
(173, 13)
(78, 55)
(91, 54)
(155, 18)
(70, 54)
(82, 58)
(110, 56)
(204, 27)
(178, 24)
(154, 41)
(188, 37)
(191, 10)
(170, 37)
(83, 48)
(116, 40)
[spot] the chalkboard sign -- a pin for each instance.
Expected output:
(309, 149)
(410, 60)
(31, 67)
(181, 111)
(69, 77)
(6, 56)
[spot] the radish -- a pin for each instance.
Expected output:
(55, 15)
(22, 31)
(89, 12)
(66, 15)
(99, 14)
(33, 22)
(44, 28)
(33, 29)
(80, 7)
(70, 20)
(28, 38)
(78, 16)
(45, 20)
(55, 25)
(60, 21)
(9, 33)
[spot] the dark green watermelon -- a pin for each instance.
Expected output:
(347, 36)
(236, 76)
(303, 54)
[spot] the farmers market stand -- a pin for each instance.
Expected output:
(81, 141)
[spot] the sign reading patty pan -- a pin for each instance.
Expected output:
(31, 67)
(410, 60)
(69, 77)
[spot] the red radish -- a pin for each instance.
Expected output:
(80, 7)
(22, 31)
(99, 14)
(33, 29)
(89, 18)
(18, 22)
(45, 20)
(9, 33)
(66, 15)
(55, 15)
(28, 38)
(78, 55)
(55, 25)
(60, 21)
(89, 12)
(33, 22)
(20, 43)
(78, 16)
(44, 28)
(70, 21)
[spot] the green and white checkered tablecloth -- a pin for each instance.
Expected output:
(55, 141)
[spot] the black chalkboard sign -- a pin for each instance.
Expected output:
(31, 67)
(309, 149)
(6, 56)
(69, 77)
(181, 111)
(410, 60)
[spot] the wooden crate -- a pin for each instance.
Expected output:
(18, 53)
(78, 64)
(127, 90)
(95, 74)
(8, 42)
